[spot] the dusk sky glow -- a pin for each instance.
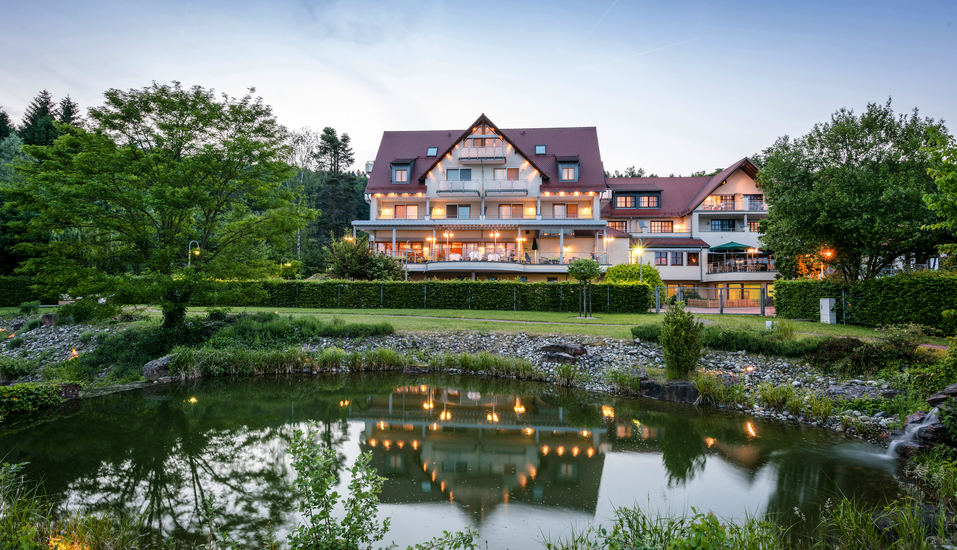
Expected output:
(672, 87)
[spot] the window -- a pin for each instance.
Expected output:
(648, 201)
(452, 212)
(503, 174)
(539, 149)
(624, 201)
(720, 202)
(661, 258)
(677, 258)
(722, 225)
(620, 226)
(458, 174)
(692, 258)
(662, 227)
(432, 151)
(406, 211)
(401, 175)
(551, 279)
(565, 211)
(568, 171)
(483, 142)
(754, 226)
(755, 202)
(510, 211)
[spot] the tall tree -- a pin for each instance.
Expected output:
(853, 186)
(38, 126)
(303, 145)
(334, 153)
(11, 220)
(165, 173)
(943, 200)
(6, 126)
(68, 112)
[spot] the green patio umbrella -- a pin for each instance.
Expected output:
(729, 247)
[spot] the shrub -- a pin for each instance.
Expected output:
(833, 352)
(32, 325)
(13, 368)
(775, 396)
(86, 337)
(623, 381)
(566, 374)
(14, 343)
(331, 358)
(85, 310)
(29, 308)
(647, 333)
(680, 341)
(754, 341)
(29, 397)
(633, 273)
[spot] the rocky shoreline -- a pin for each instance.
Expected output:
(594, 356)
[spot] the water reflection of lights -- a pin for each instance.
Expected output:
(401, 444)
(192, 400)
(491, 417)
(445, 415)
(586, 433)
(415, 445)
(386, 443)
(591, 452)
(427, 406)
(382, 425)
(709, 441)
(344, 403)
(560, 450)
(545, 449)
(574, 451)
(607, 411)
(372, 442)
(519, 408)
(529, 431)
(750, 428)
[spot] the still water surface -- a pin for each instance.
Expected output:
(518, 461)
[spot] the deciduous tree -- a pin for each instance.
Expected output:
(943, 200)
(162, 167)
(853, 186)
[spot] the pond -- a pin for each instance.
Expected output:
(518, 461)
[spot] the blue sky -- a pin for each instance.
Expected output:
(673, 87)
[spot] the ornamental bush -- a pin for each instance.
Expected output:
(633, 273)
(29, 397)
(680, 341)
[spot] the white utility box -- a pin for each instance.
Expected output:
(828, 315)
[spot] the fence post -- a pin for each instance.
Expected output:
(762, 302)
(681, 294)
(381, 295)
(608, 299)
(470, 297)
(843, 307)
(514, 298)
(720, 301)
(657, 300)
(339, 296)
(425, 296)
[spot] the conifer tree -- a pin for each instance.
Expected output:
(6, 127)
(68, 112)
(37, 127)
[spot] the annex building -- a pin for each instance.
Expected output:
(490, 203)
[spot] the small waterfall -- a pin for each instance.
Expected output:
(910, 432)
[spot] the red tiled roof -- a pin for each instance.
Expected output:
(679, 196)
(659, 242)
(612, 232)
(558, 142)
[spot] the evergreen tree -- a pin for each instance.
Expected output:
(6, 127)
(37, 127)
(334, 153)
(68, 112)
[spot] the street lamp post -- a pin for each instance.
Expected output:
(640, 251)
(827, 255)
(495, 235)
(608, 239)
(521, 248)
(431, 247)
(189, 252)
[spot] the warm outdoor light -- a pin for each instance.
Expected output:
(607, 411)
(189, 252)
(519, 408)
(639, 251)
(827, 254)
(447, 234)
(495, 235)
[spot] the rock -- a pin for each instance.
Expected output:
(48, 319)
(69, 391)
(934, 432)
(414, 369)
(915, 418)
(943, 396)
(678, 392)
(157, 368)
(569, 349)
(558, 358)
(889, 393)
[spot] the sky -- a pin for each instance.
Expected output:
(673, 87)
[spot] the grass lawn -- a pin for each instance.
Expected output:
(609, 325)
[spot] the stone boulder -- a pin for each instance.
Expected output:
(943, 397)
(48, 319)
(157, 368)
(69, 391)
(571, 349)
(676, 392)
(935, 432)
(415, 369)
(558, 358)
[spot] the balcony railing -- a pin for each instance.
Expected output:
(392, 216)
(476, 153)
(706, 228)
(506, 186)
(501, 255)
(459, 216)
(510, 216)
(741, 265)
(458, 187)
(743, 205)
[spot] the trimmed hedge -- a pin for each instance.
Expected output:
(919, 298)
(735, 339)
(16, 290)
(482, 295)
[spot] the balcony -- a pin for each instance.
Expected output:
(526, 215)
(479, 259)
(393, 216)
(457, 187)
(506, 187)
(741, 265)
(743, 205)
(482, 155)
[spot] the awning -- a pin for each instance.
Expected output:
(730, 247)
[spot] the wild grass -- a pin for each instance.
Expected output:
(194, 362)
(14, 368)
(936, 475)
(268, 328)
(566, 374)
(717, 391)
(490, 364)
(775, 396)
(623, 381)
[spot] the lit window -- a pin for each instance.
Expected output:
(568, 174)
(754, 227)
(562, 211)
(692, 258)
(662, 227)
(568, 171)
(401, 175)
(539, 149)
(677, 258)
(624, 202)
(432, 151)
(661, 258)
(620, 226)
(648, 201)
